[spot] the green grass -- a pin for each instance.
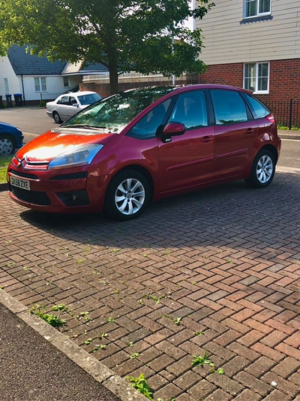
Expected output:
(5, 160)
(3, 174)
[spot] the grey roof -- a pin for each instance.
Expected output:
(94, 67)
(26, 64)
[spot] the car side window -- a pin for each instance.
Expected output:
(64, 100)
(146, 128)
(229, 107)
(190, 110)
(258, 109)
(73, 100)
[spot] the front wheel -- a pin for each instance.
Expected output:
(263, 170)
(127, 196)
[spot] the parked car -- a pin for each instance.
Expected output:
(146, 144)
(11, 138)
(66, 105)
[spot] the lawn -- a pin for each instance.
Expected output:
(4, 162)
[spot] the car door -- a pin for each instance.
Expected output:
(187, 160)
(235, 132)
(62, 107)
(73, 107)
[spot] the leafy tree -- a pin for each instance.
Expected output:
(124, 35)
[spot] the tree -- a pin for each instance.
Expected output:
(124, 35)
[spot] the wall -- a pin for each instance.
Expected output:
(55, 87)
(284, 78)
(6, 71)
(227, 41)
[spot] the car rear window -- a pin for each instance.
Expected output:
(257, 108)
(89, 99)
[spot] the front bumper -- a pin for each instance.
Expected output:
(59, 191)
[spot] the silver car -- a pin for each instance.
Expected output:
(66, 105)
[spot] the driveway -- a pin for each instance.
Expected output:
(216, 272)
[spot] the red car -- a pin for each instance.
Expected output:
(146, 144)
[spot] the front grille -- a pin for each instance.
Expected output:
(35, 197)
(72, 176)
(24, 175)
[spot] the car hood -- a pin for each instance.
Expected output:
(46, 147)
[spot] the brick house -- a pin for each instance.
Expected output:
(254, 44)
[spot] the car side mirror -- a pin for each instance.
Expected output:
(75, 104)
(172, 129)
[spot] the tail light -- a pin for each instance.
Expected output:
(271, 118)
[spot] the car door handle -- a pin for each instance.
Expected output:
(249, 131)
(206, 139)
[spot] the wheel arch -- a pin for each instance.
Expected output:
(11, 137)
(271, 149)
(142, 170)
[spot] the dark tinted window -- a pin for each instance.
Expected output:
(258, 110)
(190, 110)
(229, 107)
(89, 99)
(64, 100)
(146, 128)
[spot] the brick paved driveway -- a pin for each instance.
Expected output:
(223, 263)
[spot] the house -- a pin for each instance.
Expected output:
(254, 44)
(36, 78)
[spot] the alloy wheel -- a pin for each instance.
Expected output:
(264, 169)
(130, 196)
(6, 146)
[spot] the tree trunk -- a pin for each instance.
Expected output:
(113, 80)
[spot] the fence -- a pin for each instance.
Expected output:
(286, 112)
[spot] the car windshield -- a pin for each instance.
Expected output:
(115, 112)
(89, 99)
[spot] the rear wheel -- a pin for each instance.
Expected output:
(127, 196)
(57, 118)
(7, 145)
(263, 170)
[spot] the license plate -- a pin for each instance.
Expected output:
(17, 182)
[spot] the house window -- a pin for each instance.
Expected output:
(6, 85)
(66, 81)
(40, 84)
(256, 77)
(256, 8)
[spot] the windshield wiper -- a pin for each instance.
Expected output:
(86, 126)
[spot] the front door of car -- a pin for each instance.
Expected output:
(72, 108)
(235, 132)
(187, 160)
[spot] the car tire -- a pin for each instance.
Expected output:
(263, 170)
(7, 145)
(57, 118)
(127, 196)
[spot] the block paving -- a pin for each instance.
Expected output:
(215, 271)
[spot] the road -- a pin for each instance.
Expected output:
(36, 121)
(32, 369)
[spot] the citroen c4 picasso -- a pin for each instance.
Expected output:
(145, 144)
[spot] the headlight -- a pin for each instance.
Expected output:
(76, 155)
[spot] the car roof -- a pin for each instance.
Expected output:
(82, 93)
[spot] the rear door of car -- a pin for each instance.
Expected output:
(235, 131)
(62, 107)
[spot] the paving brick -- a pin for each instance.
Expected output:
(286, 367)
(285, 386)
(167, 392)
(267, 351)
(235, 365)
(252, 383)
(293, 340)
(288, 350)
(187, 380)
(250, 338)
(218, 395)
(260, 366)
(227, 384)
(248, 395)
(201, 389)
(276, 395)
(274, 338)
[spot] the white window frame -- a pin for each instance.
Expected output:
(258, 14)
(40, 85)
(67, 81)
(6, 85)
(256, 91)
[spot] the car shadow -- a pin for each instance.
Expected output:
(221, 215)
